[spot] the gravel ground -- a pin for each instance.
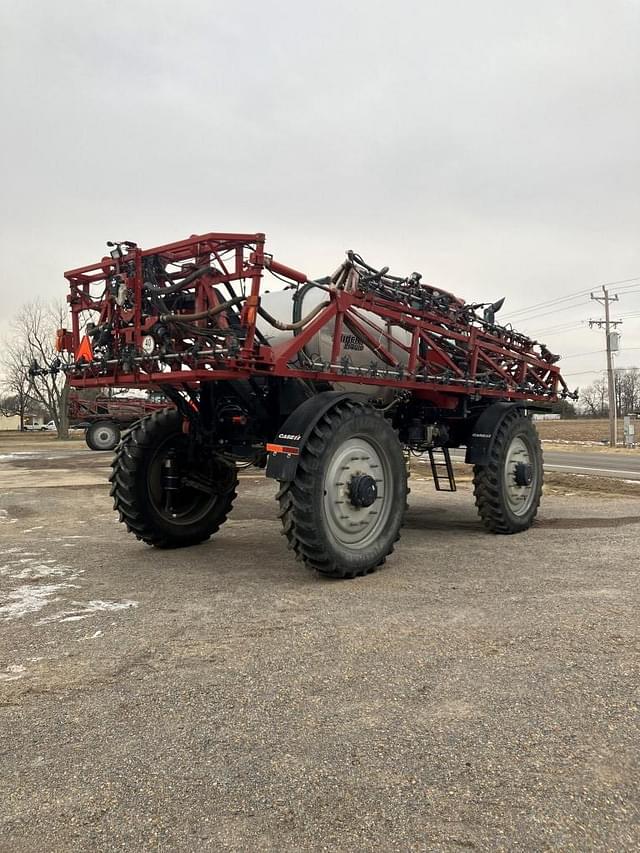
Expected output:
(479, 692)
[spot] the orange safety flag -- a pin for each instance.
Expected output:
(84, 350)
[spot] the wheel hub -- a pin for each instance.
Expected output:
(362, 490)
(523, 474)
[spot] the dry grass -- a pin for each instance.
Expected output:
(558, 483)
(577, 429)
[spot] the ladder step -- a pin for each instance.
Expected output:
(442, 470)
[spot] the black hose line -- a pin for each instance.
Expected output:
(178, 285)
(291, 327)
(201, 315)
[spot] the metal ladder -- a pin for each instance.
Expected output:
(443, 477)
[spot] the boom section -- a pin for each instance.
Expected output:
(198, 310)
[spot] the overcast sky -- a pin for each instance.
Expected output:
(494, 146)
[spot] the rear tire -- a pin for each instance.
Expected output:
(102, 435)
(506, 502)
(343, 510)
(142, 501)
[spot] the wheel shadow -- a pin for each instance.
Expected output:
(581, 523)
(443, 521)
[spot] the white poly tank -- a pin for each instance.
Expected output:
(280, 304)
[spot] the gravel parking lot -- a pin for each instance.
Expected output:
(479, 692)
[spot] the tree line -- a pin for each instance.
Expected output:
(594, 399)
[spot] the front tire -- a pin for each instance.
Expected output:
(102, 435)
(164, 495)
(509, 487)
(343, 511)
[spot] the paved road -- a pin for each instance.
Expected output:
(599, 464)
(624, 466)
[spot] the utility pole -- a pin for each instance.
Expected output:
(605, 299)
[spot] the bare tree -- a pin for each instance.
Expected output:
(628, 390)
(34, 345)
(593, 398)
(16, 383)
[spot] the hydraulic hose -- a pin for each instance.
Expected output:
(201, 315)
(291, 327)
(178, 285)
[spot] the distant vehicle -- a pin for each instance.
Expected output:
(34, 427)
(37, 427)
(50, 426)
(105, 417)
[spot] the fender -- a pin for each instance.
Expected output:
(284, 451)
(481, 439)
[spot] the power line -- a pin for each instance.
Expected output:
(561, 327)
(630, 282)
(621, 281)
(548, 302)
(578, 354)
(583, 372)
(602, 372)
(552, 311)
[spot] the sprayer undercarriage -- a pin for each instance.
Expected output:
(341, 462)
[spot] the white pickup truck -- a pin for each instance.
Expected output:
(48, 427)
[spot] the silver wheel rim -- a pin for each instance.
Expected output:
(356, 527)
(518, 498)
(104, 437)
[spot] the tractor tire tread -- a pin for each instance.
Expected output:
(134, 443)
(486, 485)
(297, 517)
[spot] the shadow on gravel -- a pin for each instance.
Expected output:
(579, 523)
(442, 521)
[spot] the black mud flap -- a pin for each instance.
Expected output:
(481, 439)
(284, 451)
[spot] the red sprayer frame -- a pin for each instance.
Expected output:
(447, 351)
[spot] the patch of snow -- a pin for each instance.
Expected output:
(31, 529)
(13, 672)
(6, 518)
(39, 570)
(64, 539)
(93, 636)
(29, 599)
(569, 441)
(6, 456)
(84, 611)
(29, 596)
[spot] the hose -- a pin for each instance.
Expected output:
(291, 327)
(230, 303)
(178, 285)
(201, 315)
